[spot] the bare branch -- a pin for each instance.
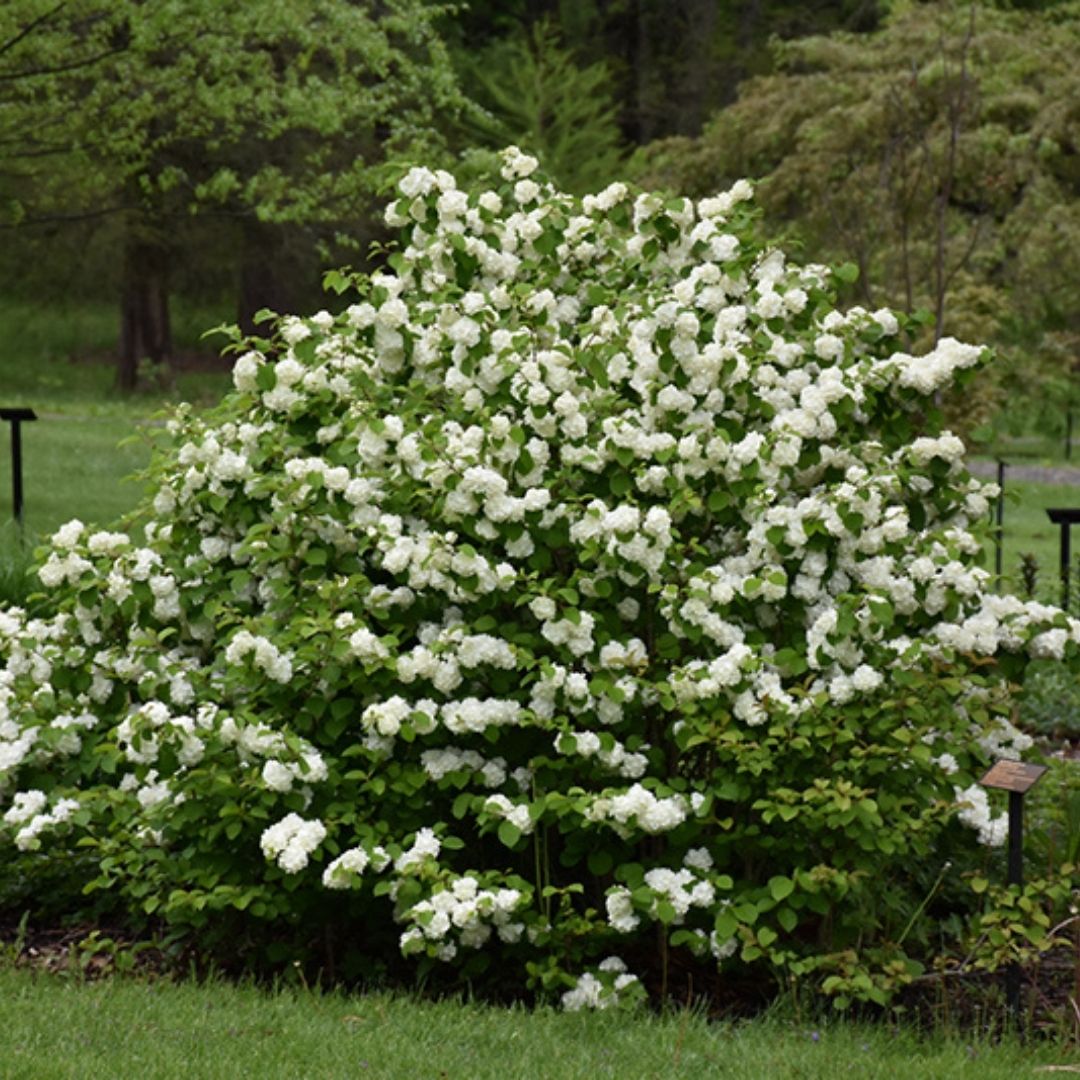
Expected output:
(54, 219)
(31, 27)
(60, 69)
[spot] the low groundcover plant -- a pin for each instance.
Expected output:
(590, 591)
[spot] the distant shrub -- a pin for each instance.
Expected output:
(1050, 702)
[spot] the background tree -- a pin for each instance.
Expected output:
(937, 154)
(672, 64)
(533, 93)
(264, 114)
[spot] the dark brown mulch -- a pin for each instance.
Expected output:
(87, 952)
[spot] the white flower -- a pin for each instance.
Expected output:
(291, 842)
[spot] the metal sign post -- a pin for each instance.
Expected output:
(1064, 518)
(999, 531)
(1017, 778)
(15, 417)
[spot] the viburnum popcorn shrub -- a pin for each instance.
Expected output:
(577, 603)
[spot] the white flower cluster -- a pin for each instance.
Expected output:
(426, 845)
(265, 655)
(614, 756)
(683, 889)
(29, 811)
(345, 871)
(451, 759)
(141, 733)
(593, 992)
(516, 813)
(975, 812)
(639, 807)
(462, 914)
(291, 841)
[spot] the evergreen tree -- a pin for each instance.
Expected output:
(534, 94)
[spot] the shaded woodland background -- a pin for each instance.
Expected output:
(222, 154)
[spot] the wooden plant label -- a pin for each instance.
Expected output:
(1016, 776)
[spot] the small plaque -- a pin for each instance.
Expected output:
(1016, 776)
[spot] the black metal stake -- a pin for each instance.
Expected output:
(999, 533)
(1015, 777)
(16, 470)
(1016, 877)
(1064, 519)
(15, 417)
(1065, 559)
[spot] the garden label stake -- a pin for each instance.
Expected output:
(1017, 778)
(15, 417)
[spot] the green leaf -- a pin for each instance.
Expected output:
(509, 833)
(746, 913)
(665, 912)
(882, 611)
(726, 924)
(787, 918)
(781, 887)
(265, 378)
(600, 862)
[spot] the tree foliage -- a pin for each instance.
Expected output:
(938, 154)
(533, 93)
(264, 112)
(671, 64)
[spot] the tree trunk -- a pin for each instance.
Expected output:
(697, 96)
(264, 270)
(643, 70)
(145, 328)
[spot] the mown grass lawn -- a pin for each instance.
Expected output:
(114, 1028)
(80, 455)
(1028, 529)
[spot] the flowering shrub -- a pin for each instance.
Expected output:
(580, 596)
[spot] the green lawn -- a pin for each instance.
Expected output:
(73, 462)
(57, 359)
(54, 1028)
(1028, 529)
(75, 467)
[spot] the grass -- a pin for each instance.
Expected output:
(1028, 529)
(57, 1029)
(1034, 448)
(58, 359)
(73, 462)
